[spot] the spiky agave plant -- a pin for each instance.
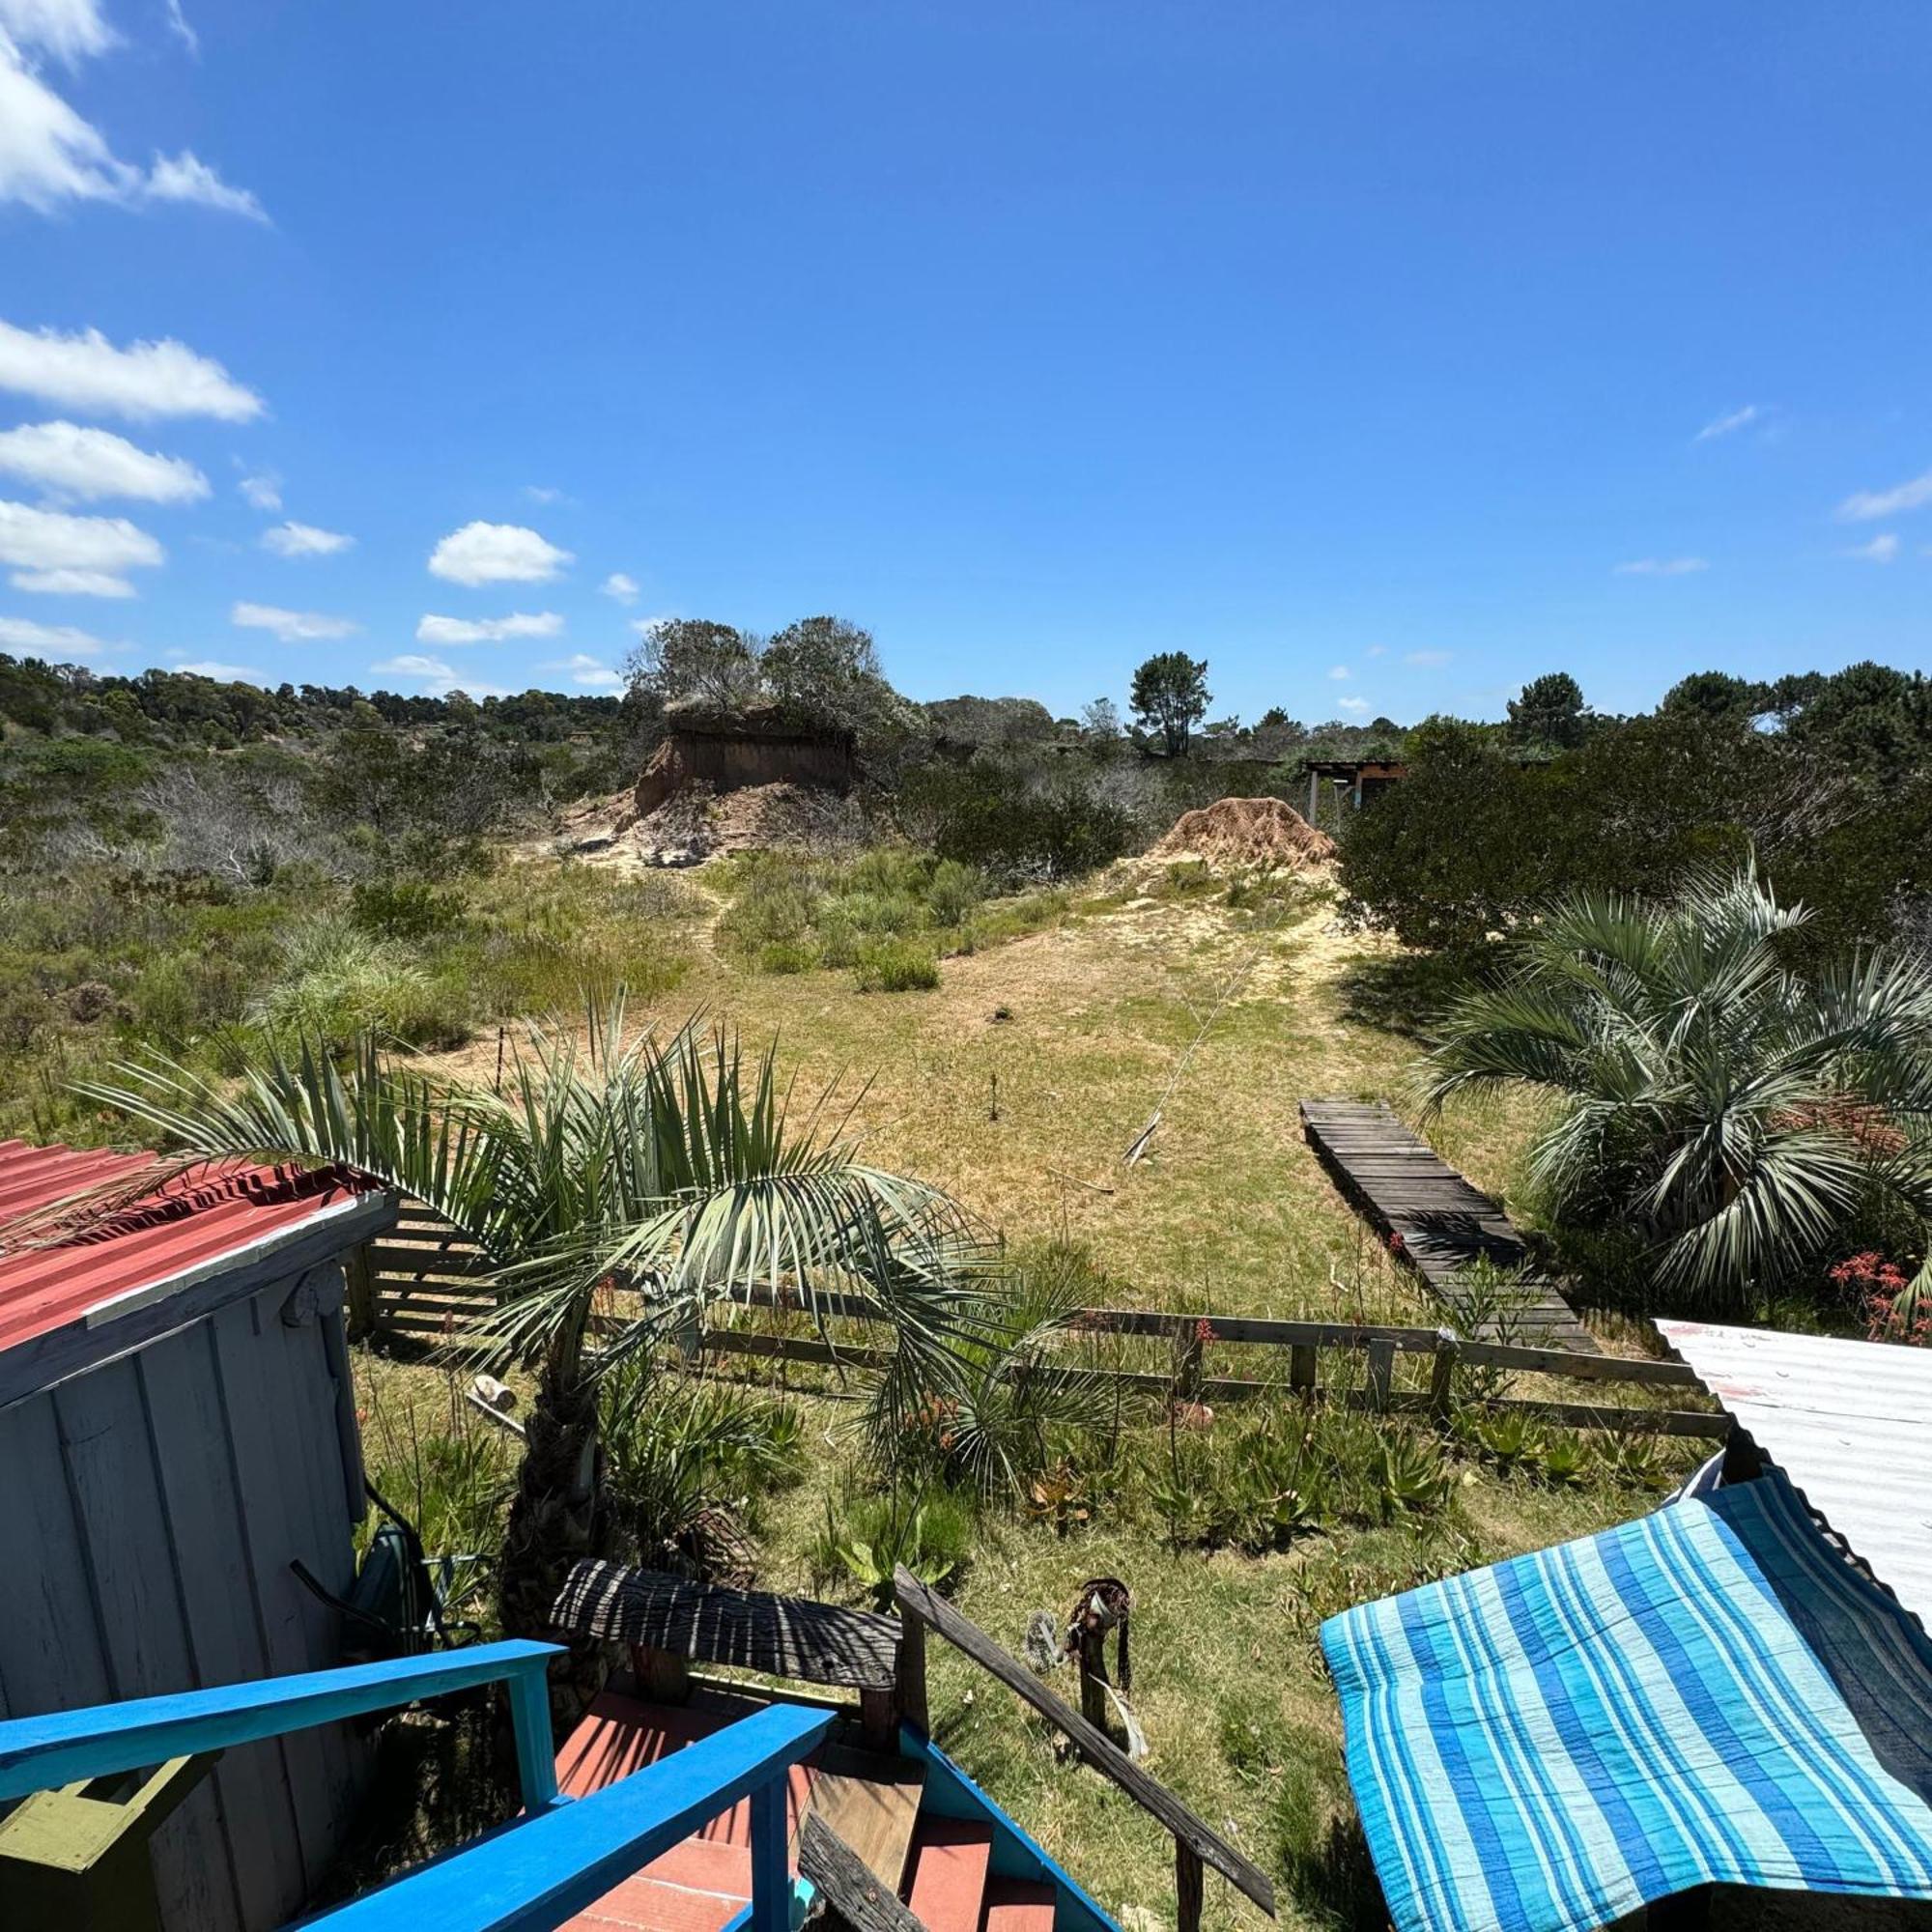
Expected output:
(1733, 1111)
(630, 1179)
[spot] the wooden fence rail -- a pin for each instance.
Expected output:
(423, 1283)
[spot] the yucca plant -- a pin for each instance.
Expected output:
(632, 1179)
(1728, 1110)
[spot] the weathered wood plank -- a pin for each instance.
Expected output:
(847, 1884)
(201, 1511)
(1098, 1750)
(747, 1629)
(116, 1498)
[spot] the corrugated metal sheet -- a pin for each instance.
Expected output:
(189, 1223)
(1849, 1422)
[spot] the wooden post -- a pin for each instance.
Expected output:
(1093, 1677)
(664, 1677)
(1188, 1878)
(1301, 1367)
(360, 1281)
(1187, 1371)
(1381, 1370)
(1443, 1378)
(911, 1670)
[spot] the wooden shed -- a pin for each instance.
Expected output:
(176, 1427)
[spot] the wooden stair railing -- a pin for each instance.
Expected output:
(1195, 1843)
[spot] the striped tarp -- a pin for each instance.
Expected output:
(1712, 1693)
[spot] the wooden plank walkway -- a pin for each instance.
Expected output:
(1406, 1188)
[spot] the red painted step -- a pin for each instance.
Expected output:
(949, 1861)
(1018, 1905)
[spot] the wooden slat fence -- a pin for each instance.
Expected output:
(422, 1285)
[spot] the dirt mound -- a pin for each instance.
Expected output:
(1261, 833)
(686, 827)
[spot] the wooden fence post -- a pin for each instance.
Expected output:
(1381, 1370)
(1301, 1367)
(1188, 1367)
(1093, 1677)
(910, 1672)
(1187, 1886)
(1443, 1378)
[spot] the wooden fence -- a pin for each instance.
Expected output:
(421, 1284)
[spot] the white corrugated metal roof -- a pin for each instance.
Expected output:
(1849, 1422)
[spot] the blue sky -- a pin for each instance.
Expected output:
(1385, 355)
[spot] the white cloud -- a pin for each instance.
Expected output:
(1353, 703)
(292, 539)
(586, 671)
(68, 30)
(621, 585)
(186, 178)
(433, 630)
(1339, 673)
(263, 490)
(223, 674)
(1663, 566)
(1882, 548)
(66, 583)
(177, 26)
(496, 553)
(67, 460)
(438, 678)
(1728, 425)
(1866, 506)
(50, 550)
(50, 154)
(542, 493)
(62, 641)
(645, 626)
(85, 371)
(1377, 650)
(291, 627)
(1426, 660)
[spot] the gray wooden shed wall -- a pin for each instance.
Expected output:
(149, 1510)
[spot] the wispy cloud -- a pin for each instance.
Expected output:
(49, 549)
(291, 627)
(1353, 705)
(63, 641)
(50, 154)
(433, 630)
(223, 674)
(1867, 506)
(292, 539)
(586, 671)
(620, 586)
(1664, 566)
(496, 553)
(1426, 660)
(85, 371)
(68, 461)
(542, 493)
(1883, 548)
(437, 678)
(1340, 672)
(1729, 425)
(261, 491)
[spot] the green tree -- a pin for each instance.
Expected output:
(648, 1178)
(1549, 710)
(694, 660)
(1714, 1103)
(1170, 695)
(1716, 696)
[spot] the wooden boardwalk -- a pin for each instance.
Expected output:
(1406, 1189)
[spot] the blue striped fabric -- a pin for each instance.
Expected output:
(1708, 1695)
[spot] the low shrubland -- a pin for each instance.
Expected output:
(887, 915)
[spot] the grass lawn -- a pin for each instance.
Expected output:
(1018, 1083)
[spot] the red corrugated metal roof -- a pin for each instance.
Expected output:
(196, 1218)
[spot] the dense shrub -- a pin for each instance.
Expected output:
(898, 966)
(1012, 826)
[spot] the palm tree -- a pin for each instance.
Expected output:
(1718, 1103)
(613, 1189)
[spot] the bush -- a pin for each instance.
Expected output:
(1017, 827)
(930, 1532)
(898, 966)
(342, 985)
(787, 956)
